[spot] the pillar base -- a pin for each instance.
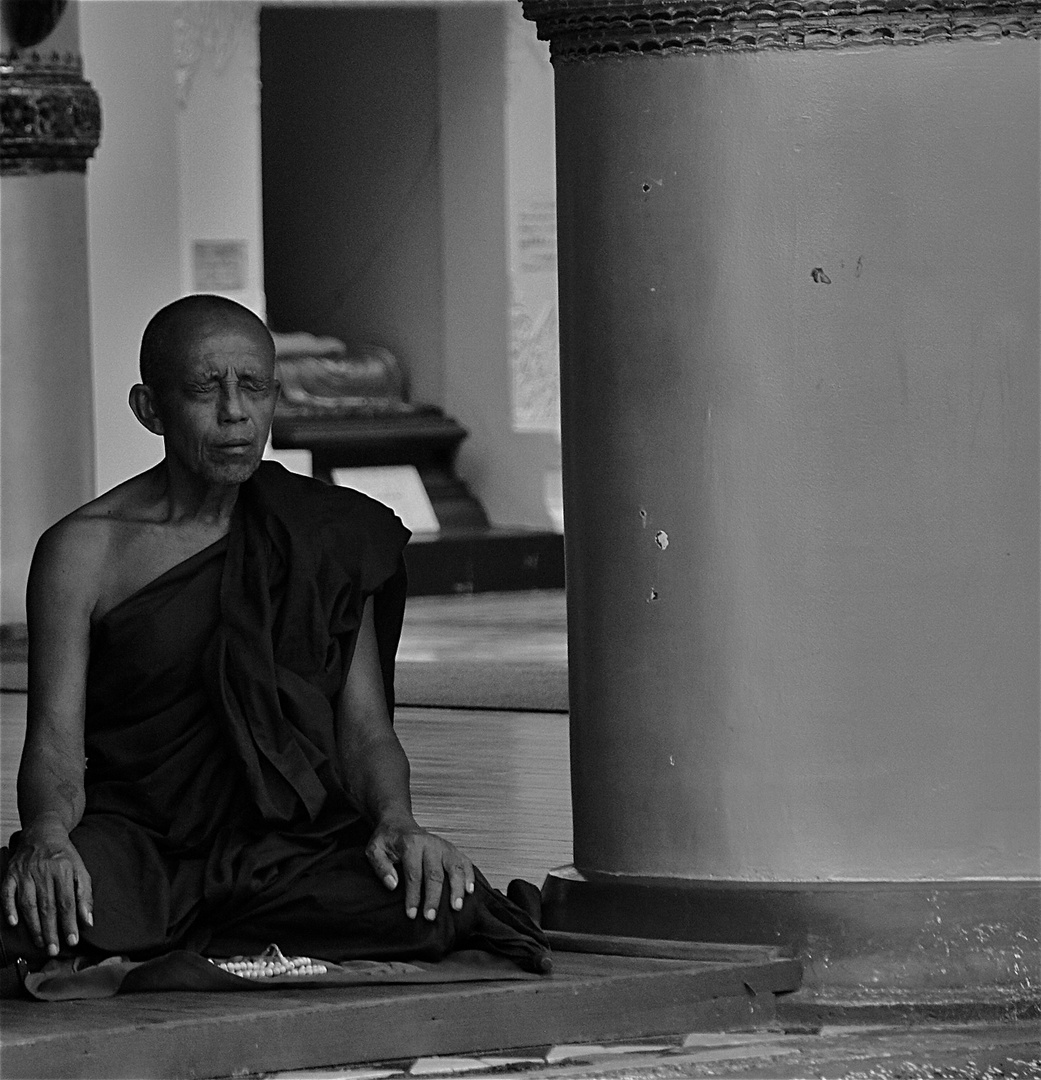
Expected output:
(863, 939)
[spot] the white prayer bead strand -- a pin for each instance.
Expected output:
(271, 964)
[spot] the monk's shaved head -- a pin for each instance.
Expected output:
(171, 329)
(208, 387)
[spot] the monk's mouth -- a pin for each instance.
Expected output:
(234, 448)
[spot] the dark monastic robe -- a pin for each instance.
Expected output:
(217, 816)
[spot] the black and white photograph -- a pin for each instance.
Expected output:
(520, 539)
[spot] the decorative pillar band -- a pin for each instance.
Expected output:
(590, 29)
(50, 116)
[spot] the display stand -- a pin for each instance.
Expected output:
(468, 554)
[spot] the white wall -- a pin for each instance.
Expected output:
(133, 215)
(165, 174)
(218, 138)
(487, 173)
(531, 213)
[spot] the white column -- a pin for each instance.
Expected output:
(47, 452)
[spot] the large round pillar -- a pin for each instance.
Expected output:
(50, 127)
(799, 284)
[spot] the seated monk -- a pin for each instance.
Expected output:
(209, 760)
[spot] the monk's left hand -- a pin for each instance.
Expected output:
(425, 860)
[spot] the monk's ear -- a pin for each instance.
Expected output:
(145, 408)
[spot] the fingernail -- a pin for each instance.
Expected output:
(13, 920)
(411, 912)
(431, 914)
(72, 939)
(52, 949)
(390, 881)
(470, 887)
(89, 917)
(457, 903)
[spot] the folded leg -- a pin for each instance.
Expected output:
(339, 910)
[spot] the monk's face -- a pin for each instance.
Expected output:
(218, 400)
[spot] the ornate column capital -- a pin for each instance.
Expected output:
(592, 29)
(50, 115)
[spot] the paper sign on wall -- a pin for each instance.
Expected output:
(534, 368)
(397, 486)
(536, 236)
(219, 265)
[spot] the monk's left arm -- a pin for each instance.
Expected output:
(377, 773)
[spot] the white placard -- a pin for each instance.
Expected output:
(399, 487)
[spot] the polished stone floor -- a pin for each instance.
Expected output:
(494, 783)
(499, 628)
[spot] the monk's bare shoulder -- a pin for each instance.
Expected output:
(74, 557)
(135, 501)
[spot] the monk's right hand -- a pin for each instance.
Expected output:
(48, 886)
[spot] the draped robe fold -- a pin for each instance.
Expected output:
(217, 815)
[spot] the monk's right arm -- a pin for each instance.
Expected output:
(47, 883)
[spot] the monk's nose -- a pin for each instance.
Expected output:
(232, 406)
